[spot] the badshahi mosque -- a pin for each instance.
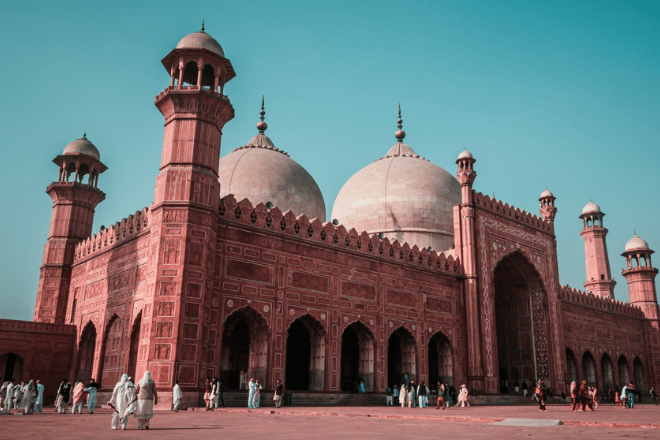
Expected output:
(234, 266)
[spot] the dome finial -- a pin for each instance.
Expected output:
(85, 135)
(261, 125)
(400, 134)
(202, 25)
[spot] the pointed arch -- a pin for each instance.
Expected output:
(589, 368)
(401, 356)
(624, 371)
(114, 353)
(606, 372)
(357, 356)
(305, 354)
(441, 359)
(86, 351)
(134, 344)
(571, 366)
(244, 346)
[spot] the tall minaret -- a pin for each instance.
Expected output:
(599, 278)
(464, 216)
(185, 209)
(75, 197)
(640, 275)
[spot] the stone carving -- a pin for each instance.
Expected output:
(171, 252)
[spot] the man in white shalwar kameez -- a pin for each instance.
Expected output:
(120, 402)
(39, 402)
(251, 388)
(9, 396)
(177, 395)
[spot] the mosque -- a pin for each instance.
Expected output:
(234, 266)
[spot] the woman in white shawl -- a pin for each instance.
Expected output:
(147, 397)
(463, 397)
(120, 402)
(402, 395)
(28, 397)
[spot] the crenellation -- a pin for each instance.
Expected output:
(108, 238)
(327, 233)
(573, 295)
(511, 212)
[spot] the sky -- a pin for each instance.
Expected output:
(562, 94)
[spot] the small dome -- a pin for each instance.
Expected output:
(201, 40)
(262, 173)
(591, 208)
(636, 243)
(546, 193)
(82, 146)
(465, 154)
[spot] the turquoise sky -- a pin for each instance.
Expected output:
(561, 94)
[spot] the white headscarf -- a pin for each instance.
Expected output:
(145, 379)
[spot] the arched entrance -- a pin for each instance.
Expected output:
(86, 350)
(638, 370)
(357, 357)
(589, 369)
(607, 372)
(244, 347)
(401, 356)
(11, 365)
(520, 320)
(305, 355)
(571, 367)
(624, 374)
(135, 343)
(440, 360)
(114, 363)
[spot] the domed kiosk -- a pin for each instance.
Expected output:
(263, 173)
(403, 196)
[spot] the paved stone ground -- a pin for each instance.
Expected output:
(349, 422)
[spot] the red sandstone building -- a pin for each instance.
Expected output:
(233, 266)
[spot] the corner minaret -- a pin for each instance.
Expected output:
(75, 197)
(185, 211)
(548, 210)
(640, 275)
(599, 278)
(464, 237)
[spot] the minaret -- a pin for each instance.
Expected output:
(599, 278)
(467, 248)
(185, 209)
(548, 210)
(75, 197)
(640, 275)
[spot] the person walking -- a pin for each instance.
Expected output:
(447, 394)
(91, 395)
(213, 397)
(219, 394)
(256, 400)
(631, 396)
(525, 388)
(574, 396)
(421, 394)
(78, 397)
(147, 397)
(441, 396)
(207, 393)
(29, 396)
(395, 395)
(39, 401)
(9, 394)
(411, 395)
(402, 396)
(277, 397)
(120, 402)
(177, 395)
(63, 396)
(463, 397)
(583, 394)
(540, 394)
(652, 394)
(389, 401)
(18, 395)
(251, 392)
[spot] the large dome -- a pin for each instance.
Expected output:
(82, 146)
(262, 173)
(403, 196)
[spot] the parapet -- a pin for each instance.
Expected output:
(112, 236)
(511, 212)
(606, 304)
(313, 229)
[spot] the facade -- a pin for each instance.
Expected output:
(233, 267)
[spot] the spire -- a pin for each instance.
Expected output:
(84, 135)
(261, 125)
(202, 25)
(400, 134)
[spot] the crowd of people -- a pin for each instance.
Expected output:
(411, 396)
(25, 397)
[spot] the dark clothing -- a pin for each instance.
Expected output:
(93, 385)
(65, 391)
(279, 390)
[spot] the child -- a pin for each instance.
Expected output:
(617, 400)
